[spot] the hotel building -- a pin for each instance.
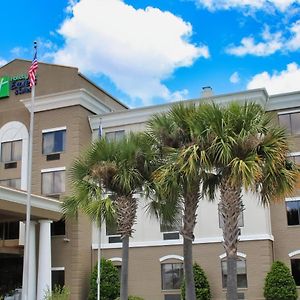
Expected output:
(68, 110)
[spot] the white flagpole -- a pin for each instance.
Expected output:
(28, 204)
(99, 263)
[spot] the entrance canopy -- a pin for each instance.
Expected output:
(13, 206)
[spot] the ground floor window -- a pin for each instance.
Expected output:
(172, 276)
(58, 277)
(295, 265)
(241, 273)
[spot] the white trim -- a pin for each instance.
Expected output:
(80, 97)
(53, 169)
(292, 199)
(294, 253)
(57, 268)
(286, 112)
(118, 259)
(54, 129)
(292, 154)
(172, 256)
(239, 254)
(210, 240)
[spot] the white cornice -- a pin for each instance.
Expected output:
(68, 98)
(142, 115)
(284, 101)
(20, 197)
(178, 257)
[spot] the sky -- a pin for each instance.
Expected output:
(149, 52)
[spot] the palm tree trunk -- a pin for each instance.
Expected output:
(230, 208)
(124, 269)
(190, 293)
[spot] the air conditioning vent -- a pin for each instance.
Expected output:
(114, 239)
(171, 236)
(54, 156)
(10, 165)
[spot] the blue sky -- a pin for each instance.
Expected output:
(147, 52)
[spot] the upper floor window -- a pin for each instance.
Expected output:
(241, 273)
(11, 151)
(115, 135)
(54, 141)
(14, 183)
(292, 212)
(9, 230)
(291, 121)
(58, 228)
(53, 182)
(171, 275)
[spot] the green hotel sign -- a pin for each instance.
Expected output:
(19, 84)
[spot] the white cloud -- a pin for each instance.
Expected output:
(281, 5)
(278, 82)
(235, 78)
(272, 42)
(2, 62)
(294, 42)
(135, 48)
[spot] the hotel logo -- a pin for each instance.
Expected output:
(4, 86)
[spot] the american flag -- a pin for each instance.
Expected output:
(33, 68)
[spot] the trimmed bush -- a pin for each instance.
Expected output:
(279, 283)
(201, 284)
(109, 281)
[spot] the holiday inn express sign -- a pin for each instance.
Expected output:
(19, 84)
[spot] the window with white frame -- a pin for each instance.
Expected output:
(171, 276)
(293, 211)
(11, 151)
(241, 273)
(295, 266)
(115, 135)
(54, 141)
(291, 121)
(58, 277)
(53, 182)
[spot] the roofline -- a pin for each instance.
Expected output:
(285, 94)
(105, 92)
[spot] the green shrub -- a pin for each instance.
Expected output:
(59, 293)
(109, 281)
(201, 284)
(279, 283)
(132, 298)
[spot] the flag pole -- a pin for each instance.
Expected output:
(99, 262)
(26, 272)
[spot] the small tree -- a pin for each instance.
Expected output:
(201, 284)
(280, 284)
(109, 281)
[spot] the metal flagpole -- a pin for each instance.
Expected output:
(99, 263)
(28, 204)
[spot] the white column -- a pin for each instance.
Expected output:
(44, 268)
(32, 263)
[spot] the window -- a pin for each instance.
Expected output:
(54, 141)
(171, 231)
(295, 265)
(241, 273)
(115, 135)
(58, 277)
(13, 183)
(292, 212)
(172, 276)
(53, 183)
(112, 232)
(9, 230)
(58, 228)
(291, 121)
(11, 151)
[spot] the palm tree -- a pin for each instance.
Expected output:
(118, 168)
(176, 194)
(239, 147)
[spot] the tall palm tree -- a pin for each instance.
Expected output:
(239, 147)
(118, 168)
(176, 193)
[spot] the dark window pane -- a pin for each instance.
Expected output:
(241, 273)
(58, 228)
(111, 228)
(295, 120)
(2, 231)
(292, 211)
(284, 121)
(295, 263)
(172, 297)
(11, 231)
(172, 275)
(54, 141)
(58, 278)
